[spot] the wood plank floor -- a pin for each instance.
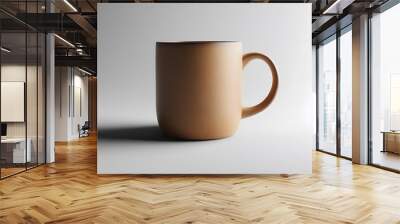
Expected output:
(70, 191)
(10, 171)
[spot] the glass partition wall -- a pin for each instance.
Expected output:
(385, 89)
(334, 105)
(22, 77)
(13, 86)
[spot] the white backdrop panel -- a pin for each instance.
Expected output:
(278, 140)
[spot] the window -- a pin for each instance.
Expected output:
(346, 93)
(327, 96)
(335, 74)
(385, 89)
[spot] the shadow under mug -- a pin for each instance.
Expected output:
(198, 88)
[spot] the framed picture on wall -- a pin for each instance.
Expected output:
(12, 101)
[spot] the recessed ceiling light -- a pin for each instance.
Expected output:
(5, 50)
(64, 40)
(84, 71)
(70, 5)
(337, 7)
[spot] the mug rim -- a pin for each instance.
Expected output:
(197, 42)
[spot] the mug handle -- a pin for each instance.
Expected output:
(249, 111)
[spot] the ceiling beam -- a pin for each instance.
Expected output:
(337, 7)
(85, 25)
(81, 61)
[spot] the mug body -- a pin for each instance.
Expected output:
(198, 88)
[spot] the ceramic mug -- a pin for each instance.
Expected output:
(198, 88)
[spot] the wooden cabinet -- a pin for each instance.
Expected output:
(391, 142)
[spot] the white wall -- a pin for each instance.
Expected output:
(278, 140)
(68, 81)
(62, 80)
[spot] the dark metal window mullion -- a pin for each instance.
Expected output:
(369, 90)
(26, 86)
(317, 95)
(37, 90)
(338, 98)
(45, 89)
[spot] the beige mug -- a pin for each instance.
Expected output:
(198, 88)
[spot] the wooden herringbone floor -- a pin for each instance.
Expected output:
(70, 191)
